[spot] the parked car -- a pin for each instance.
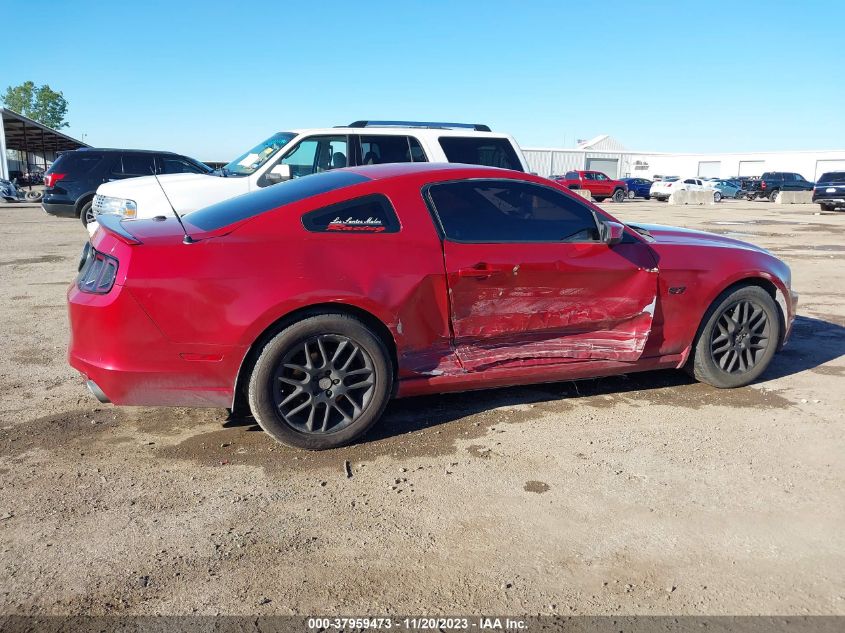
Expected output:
(9, 191)
(723, 189)
(661, 190)
(638, 187)
(597, 183)
(829, 191)
(298, 153)
(291, 302)
(72, 180)
(772, 183)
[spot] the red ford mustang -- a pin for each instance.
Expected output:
(316, 300)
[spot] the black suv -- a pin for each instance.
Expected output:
(73, 179)
(830, 191)
(773, 182)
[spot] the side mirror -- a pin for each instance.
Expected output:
(612, 233)
(278, 174)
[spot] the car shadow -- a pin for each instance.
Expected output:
(813, 342)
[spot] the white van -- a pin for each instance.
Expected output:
(298, 153)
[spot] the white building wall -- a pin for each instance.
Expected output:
(810, 164)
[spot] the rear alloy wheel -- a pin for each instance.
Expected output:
(618, 195)
(321, 382)
(717, 196)
(86, 214)
(738, 340)
(773, 197)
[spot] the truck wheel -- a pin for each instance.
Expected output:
(618, 195)
(598, 198)
(86, 213)
(826, 207)
(321, 382)
(773, 196)
(738, 338)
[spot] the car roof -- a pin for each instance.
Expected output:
(105, 150)
(398, 131)
(458, 170)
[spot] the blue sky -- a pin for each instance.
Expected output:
(210, 79)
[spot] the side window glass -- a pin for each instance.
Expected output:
(571, 175)
(371, 214)
(376, 150)
(492, 152)
(171, 165)
(138, 165)
(600, 176)
(589, 175)
(689, 181)
(317, 154)
(503, 211)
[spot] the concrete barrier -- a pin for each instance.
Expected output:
(795, 197)
(584, 193)
(692, 197)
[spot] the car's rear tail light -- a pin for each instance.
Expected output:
(762, 184)
(50, 180)
(97, 271)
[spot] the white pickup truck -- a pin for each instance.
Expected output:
(297, 153)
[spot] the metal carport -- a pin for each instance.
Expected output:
(33, 144)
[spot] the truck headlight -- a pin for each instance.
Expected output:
(115, 206)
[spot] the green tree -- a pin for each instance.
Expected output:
(39, 103)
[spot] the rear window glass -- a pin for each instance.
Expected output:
(491, 152)
(370, 214)
(75, 163)
(833, 176)
(257, 202)
(377, 150)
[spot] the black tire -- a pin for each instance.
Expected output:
(33, 196)
(86, 214)
(727, 356)
(773, 195)
(618, 195)
(631, 194)
(647, 197)
(598, 199)
(717, 196)
(827, 207)
(278, 382)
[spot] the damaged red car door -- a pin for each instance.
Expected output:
(531, 280)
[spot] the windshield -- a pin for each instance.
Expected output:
(249, 162)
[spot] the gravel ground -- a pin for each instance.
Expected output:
(645, 494)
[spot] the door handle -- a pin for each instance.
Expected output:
(481, 271)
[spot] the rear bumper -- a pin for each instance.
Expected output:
(834, 199)
(60, 209)
(115, 345)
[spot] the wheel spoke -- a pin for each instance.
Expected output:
(339, 351)
(734, 359)
(293, 381)
(323, 355)
(349, 360)
(293, 394)
(326, 415)
(300, 407)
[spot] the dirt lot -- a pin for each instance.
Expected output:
(645, 494)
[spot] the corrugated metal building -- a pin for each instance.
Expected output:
(608, 155)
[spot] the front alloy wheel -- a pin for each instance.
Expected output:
(618, 195)
(321, 382)
(738, 339)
